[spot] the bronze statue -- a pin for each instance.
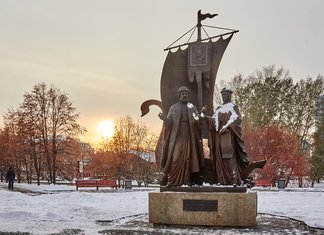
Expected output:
(179, 152)
(228, 157)
(181, 145)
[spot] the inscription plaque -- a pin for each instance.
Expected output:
(200, 205)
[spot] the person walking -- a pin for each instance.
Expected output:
(10, 178)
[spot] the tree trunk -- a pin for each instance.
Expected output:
(300, 181)
(54, 169)
(38, 178)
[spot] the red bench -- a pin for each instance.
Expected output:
(263, 183)
(96, 183)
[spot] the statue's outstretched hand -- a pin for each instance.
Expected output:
(223, 130)
(162, 116)
(204, 109)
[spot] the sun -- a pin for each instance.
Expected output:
(106, 129)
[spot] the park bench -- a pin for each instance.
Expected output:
(96, 183)
(263, 183)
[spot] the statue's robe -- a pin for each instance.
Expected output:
(228, 156)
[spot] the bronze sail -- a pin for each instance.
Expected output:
(178, 72)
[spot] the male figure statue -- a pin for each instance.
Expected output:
(227, 147)
(181, 153)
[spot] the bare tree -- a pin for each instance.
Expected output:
(14, 143)
(3, 154)
(73, 152)
(57, 120)
(44, 121)
(128, 135)
(132, 148)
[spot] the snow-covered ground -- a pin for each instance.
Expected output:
(61, 207)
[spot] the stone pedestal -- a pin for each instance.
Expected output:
(204, 208)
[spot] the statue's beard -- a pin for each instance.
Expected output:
(184, 100)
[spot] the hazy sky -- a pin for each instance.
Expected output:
(108, 55)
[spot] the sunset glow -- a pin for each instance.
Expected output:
(106, 129)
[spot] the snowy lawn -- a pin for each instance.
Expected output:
(61, 207)
(305, 206)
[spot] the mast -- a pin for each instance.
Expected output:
(199, 26)
(200, 18)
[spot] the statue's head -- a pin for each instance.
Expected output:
(226, 90)
(183, 93)
(226, 94)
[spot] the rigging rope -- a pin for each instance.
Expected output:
(205, 31)
(208, 37)
(191, 34)
(218, 27)
(182, 36)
